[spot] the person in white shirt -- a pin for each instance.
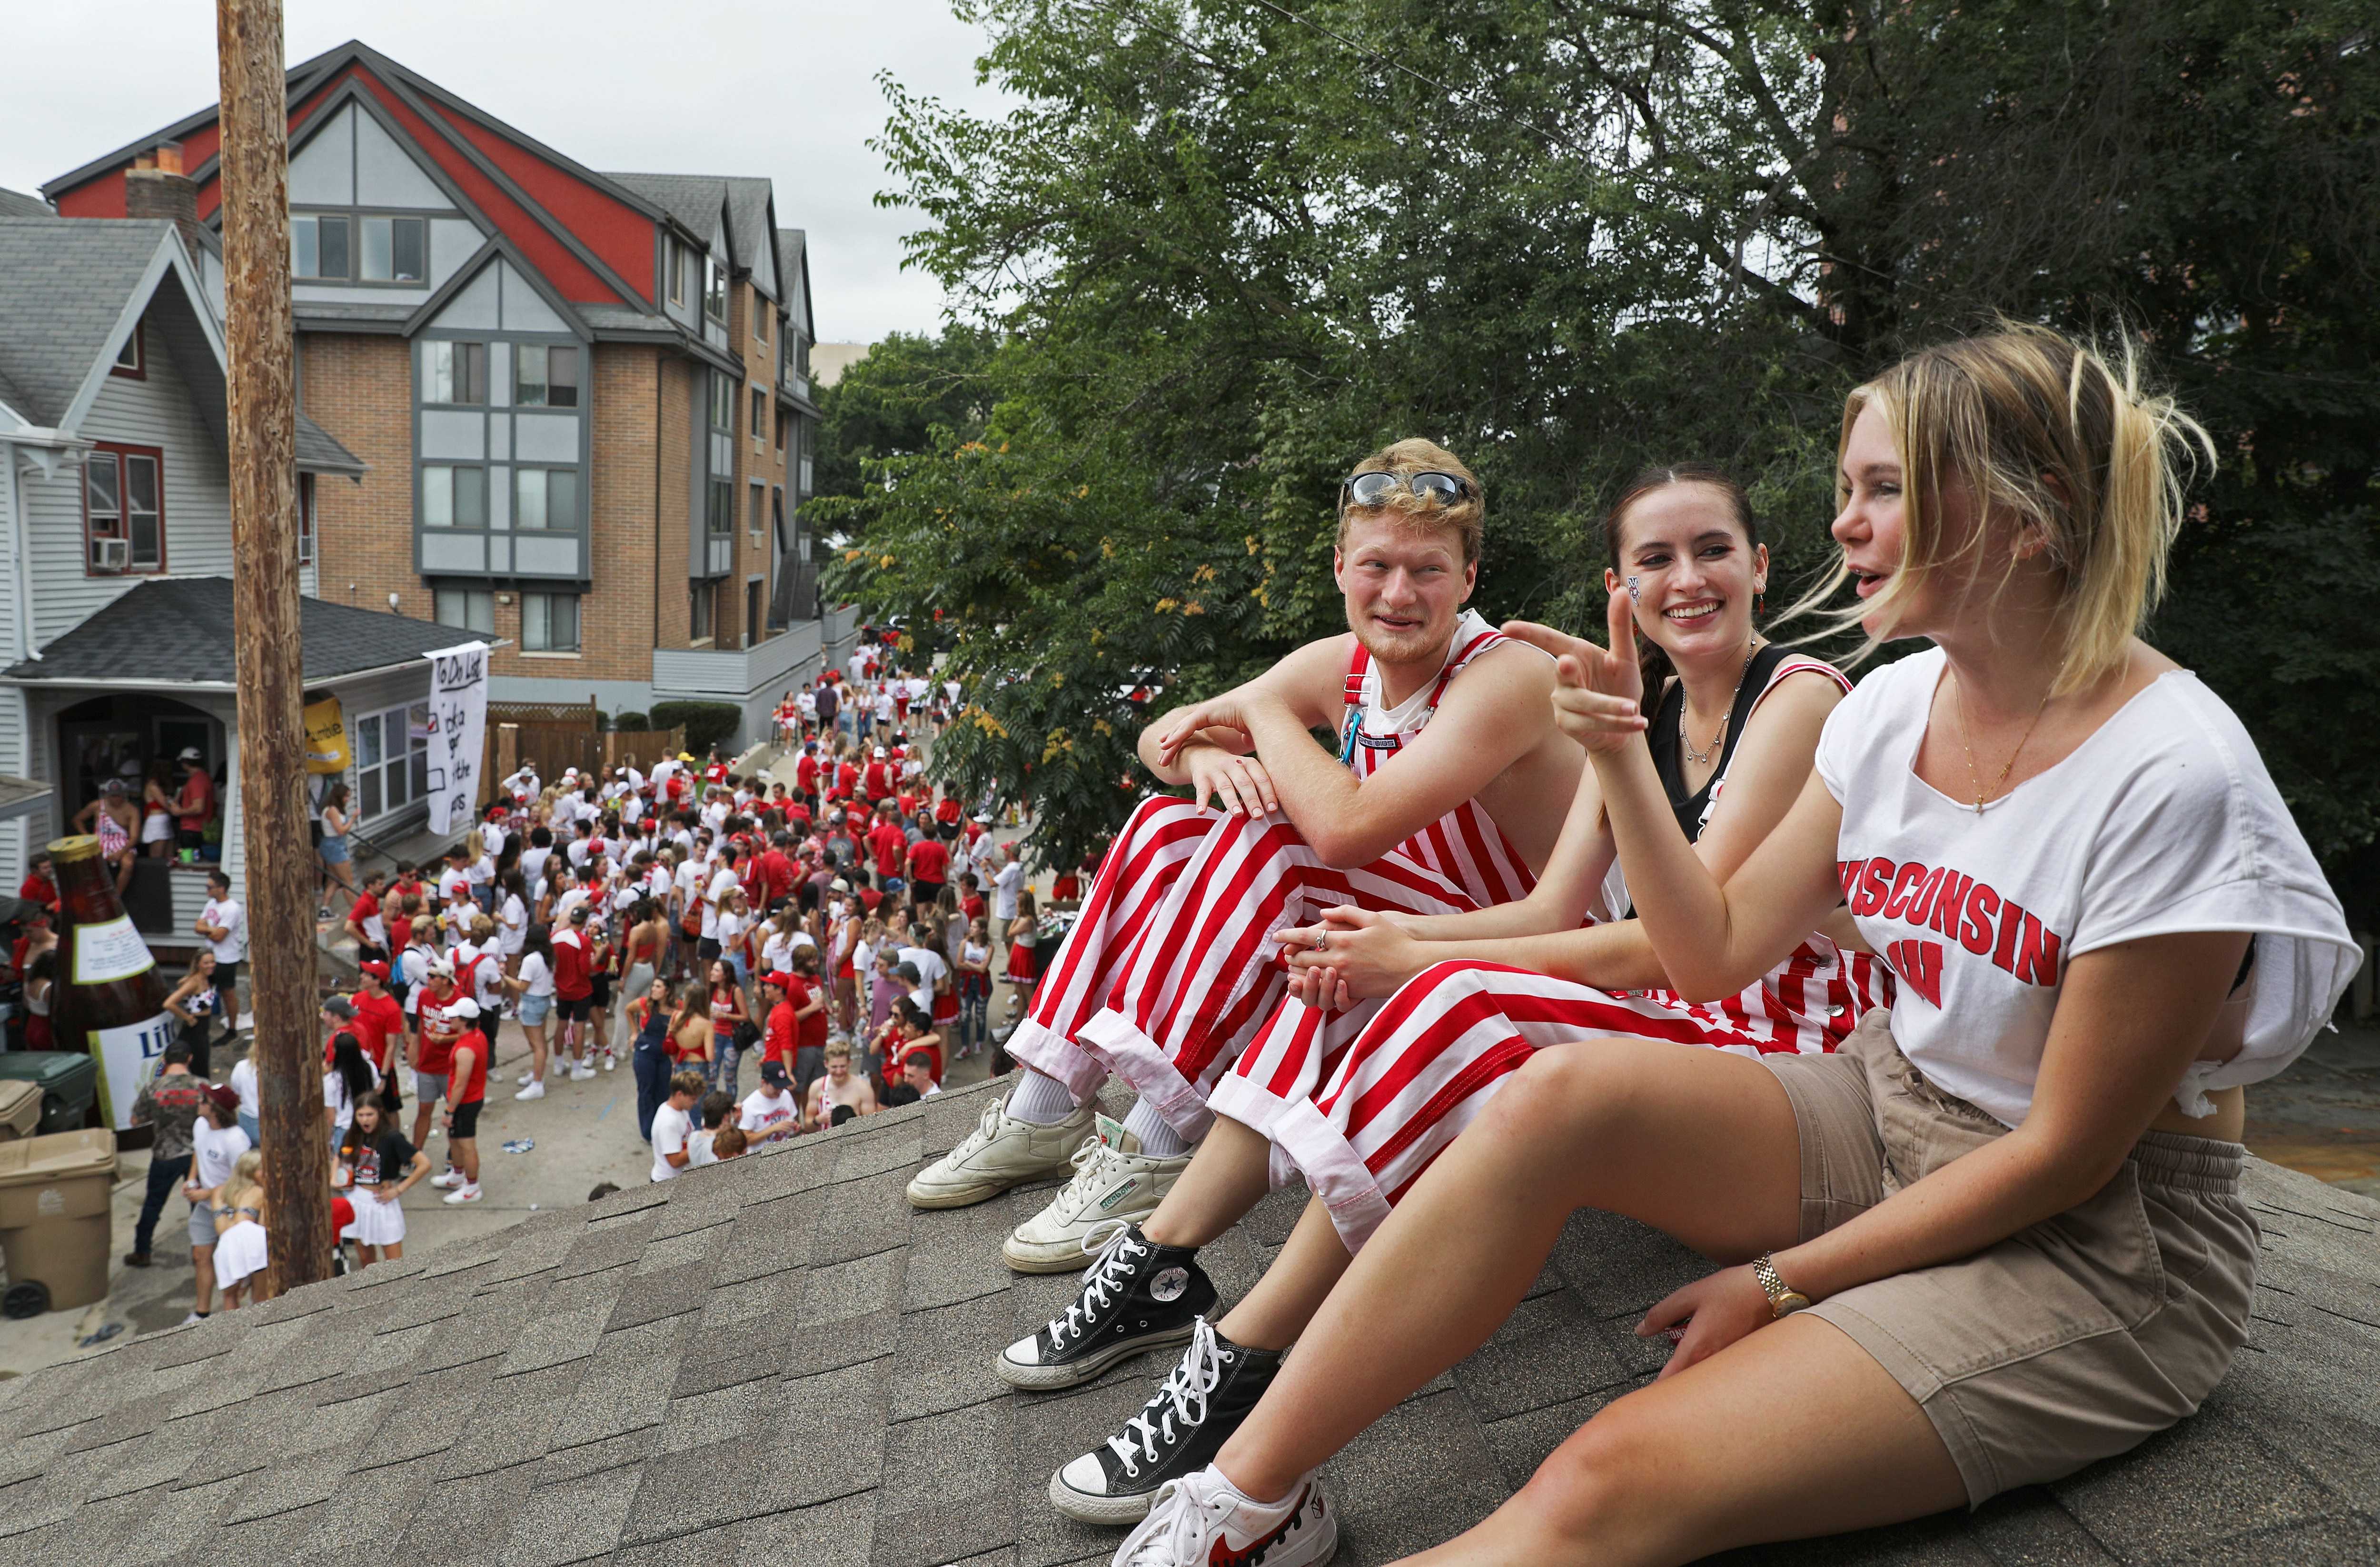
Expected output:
(723, 880)
(1999, 1233)
(456, 875)
(223, 924)
(531, 863)
(673, 1126)
(1005, 881)
(522, 784)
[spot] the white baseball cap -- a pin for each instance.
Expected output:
(463, 1006)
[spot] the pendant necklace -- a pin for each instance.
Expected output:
(1966, 742)
(1685, 741)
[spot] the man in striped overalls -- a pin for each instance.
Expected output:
(1445, 793)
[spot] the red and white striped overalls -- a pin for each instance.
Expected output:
(1362, 1119)
(1172, 966)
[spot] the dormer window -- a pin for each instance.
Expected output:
(358, 247)
(128, 360)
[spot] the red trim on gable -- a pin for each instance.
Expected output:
(563, 272)
(621, 235)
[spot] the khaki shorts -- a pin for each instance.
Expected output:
(2070, 1341)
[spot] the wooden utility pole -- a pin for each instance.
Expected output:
(262, 416)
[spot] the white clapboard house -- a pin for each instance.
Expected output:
(115, 616)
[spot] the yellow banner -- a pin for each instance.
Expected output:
(326, 736)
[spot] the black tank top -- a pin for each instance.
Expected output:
(1662, 736)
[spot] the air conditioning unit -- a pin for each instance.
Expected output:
(110, 554)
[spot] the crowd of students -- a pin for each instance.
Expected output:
(1923, 1007)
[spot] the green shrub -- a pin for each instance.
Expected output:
(631, 722)
(707, 724)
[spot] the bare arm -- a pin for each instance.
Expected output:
(1499, 716)
(1294, 680)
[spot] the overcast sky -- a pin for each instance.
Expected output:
(781, 88)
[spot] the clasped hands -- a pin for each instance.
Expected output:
(1353, 954)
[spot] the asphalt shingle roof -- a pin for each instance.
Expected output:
(179, 628)
(777, 1360)
(17, 204)
(695, 201)
(63, 284)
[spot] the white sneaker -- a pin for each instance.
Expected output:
(580, 1071)
(449, 1181)
(609, 1060)
(1000, 1152)
(536, 1090)
(1113, 1182)
(1203, 1517)
(525, 1078)
(468, 1194)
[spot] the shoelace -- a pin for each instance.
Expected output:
(1092, 1164)
(1176, 1532)
(986, 1125)
(1111, 1263)
(1183, 1396)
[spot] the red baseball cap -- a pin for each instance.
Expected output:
(780, 978)
(375, 968)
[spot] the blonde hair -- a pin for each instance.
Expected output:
(1466, 519)
(2049, 431)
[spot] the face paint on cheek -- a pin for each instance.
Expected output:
(1635, 592)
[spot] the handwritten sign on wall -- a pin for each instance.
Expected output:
(459, 723)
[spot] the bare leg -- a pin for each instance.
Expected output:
(202, 1260)
(1698, 1143)
(1688, 1465)
(1272, 1315)
(1225, 1178)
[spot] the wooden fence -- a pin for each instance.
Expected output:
(553, 736)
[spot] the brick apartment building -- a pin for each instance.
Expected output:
(582, 400)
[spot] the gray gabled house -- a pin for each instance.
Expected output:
(116, 531)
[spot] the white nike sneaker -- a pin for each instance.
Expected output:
(452, 1179)
(536, 1089)
(581, 1071)
(1000, 1152)
(1202, 1518)
(1113, 1181)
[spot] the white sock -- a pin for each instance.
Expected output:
(1158, 1139)
(1039, 1099)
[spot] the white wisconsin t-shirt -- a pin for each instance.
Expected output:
(763, 1111)
(2162, 821)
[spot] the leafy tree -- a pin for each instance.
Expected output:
(1229, 247)
(895, 400)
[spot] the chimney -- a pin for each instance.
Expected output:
(155, 186)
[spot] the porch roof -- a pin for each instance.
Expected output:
(177, 632)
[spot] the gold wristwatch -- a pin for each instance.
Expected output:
(1783, 1299)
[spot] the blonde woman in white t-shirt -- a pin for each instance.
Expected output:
(2012, 1201)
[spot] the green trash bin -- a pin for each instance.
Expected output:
(68, 1081)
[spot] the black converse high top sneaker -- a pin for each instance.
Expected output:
(1137, 1295)
(1178, 1432)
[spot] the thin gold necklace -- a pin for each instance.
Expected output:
(1966, 742)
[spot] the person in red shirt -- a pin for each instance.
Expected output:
(888, 843)
(774, 872)
(971, 903)
(847, 778)
(433, 1049)
(947, 812)
(573, 988)
(877, 782)
(779, 1035)
(380, 1021)
(37, 887)
(717, 771)
(466, 1091)
(806, 770)
(929, 868)
(364, 919)
(195, 806)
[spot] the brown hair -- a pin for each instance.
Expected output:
(1465, 520)
(2071, 444)
(1651, 662)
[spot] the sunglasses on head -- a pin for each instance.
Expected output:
(1371, 489)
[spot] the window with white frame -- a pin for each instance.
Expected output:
(391, 759)
(545, 498)
(759, 419)
(550, 622)
(546, 376)
(305, 519)
(358, 248)
(759, 315)
(673, 268)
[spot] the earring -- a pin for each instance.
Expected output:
(1760, 598)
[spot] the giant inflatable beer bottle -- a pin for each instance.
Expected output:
(109, 998)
